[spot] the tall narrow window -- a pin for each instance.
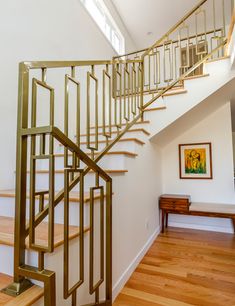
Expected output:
(101, 15)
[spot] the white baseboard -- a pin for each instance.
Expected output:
(131, 268)
(202, 227)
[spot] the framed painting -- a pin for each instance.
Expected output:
(195, 161)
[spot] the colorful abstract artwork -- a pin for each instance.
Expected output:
(195, 160)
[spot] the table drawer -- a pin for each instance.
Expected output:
(174, 201)
(177, 204)
(174, 207)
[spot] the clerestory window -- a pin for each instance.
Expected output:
(101, 15)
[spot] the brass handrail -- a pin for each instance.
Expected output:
(172, 29)
(124, 57)
(63, 64)
(181, 21)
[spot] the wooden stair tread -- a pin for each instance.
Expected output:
(115, 132)
(157, 90)
(27, 298)
(155, 108)
(7, 232)
(111, 171)
(120, 140)
(174, 92)
(73, 195)
(126, 153)
(197, 76)
(113, 125)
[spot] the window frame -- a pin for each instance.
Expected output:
(109, 29)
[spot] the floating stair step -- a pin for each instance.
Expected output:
(27, 298)
(136, 140)
(7, 232)
(109, 171)
(197, 76)
(154, 91)
(155, 108)
(174, 92)
(113, 125)
(125, 153)
(73, 196)
(115, 132)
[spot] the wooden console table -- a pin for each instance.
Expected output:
(181, 204)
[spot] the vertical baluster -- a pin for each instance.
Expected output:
(168, 61)
(126, 89)
(51, 216)
(118, 98)
(224, 29)
(71, 79)
(96, 143)
(41, 261)
(177, 67)
(72, 291)
(133, 90)
(201, 43)
(108, 242)
(95, 287)
(33, 159)
(41, 207)
(215, 36)
(109, 133)
(142, 89)
(74, 298)
(184, 52)
(66, 118)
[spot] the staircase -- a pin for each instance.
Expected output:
(74, 166)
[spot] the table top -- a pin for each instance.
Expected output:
(175, 196)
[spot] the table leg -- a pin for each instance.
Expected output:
(233, 219)
(163, 218)
(166, 219)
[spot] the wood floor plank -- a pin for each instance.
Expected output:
(184, 267)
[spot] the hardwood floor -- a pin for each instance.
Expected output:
(184, 267)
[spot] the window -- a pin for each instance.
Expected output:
(104, 20)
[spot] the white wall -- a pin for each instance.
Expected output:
(233, 147)
(41, 30)
(215, 128)
(135, 212)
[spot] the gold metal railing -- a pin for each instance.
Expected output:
(83, 108)
(197, 34)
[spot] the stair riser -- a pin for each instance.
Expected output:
(90, 181)
(7, 259)
(138, 134)
(137, 126)
(131, 146)
(54, 262)
(117, 162)
(8, 210)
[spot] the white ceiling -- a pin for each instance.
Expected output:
(156, 16)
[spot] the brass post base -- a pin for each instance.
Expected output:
(15, 289)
